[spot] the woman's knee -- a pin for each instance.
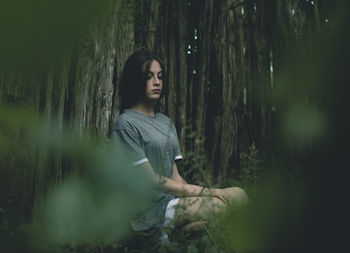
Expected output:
(198, 208)
(217, 203)
(211, 207)
(238, 196)
(239, 192)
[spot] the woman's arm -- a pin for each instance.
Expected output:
(180, 189)
(176, 176)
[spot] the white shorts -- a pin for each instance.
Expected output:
(170, 212)
(169, 218)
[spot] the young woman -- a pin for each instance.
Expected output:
(151, 139)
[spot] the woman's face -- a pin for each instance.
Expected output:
(154, 83)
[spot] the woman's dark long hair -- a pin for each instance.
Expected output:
(132, 85)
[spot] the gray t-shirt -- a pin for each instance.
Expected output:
(150, 139)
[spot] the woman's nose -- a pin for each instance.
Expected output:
(156, 81)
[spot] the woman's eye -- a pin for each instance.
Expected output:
(160, 77)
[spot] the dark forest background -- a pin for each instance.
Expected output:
(254, 88)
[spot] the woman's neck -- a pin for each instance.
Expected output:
(144, 108)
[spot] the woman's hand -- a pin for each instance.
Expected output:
(223, 194)
(220, 194)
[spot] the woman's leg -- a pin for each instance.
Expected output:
(192, 209)
(236, 197)
(192, 229)
(204, 209)
(192, 214)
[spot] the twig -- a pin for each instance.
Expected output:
(210, 236)
(100, 245)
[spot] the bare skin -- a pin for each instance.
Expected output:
(196, 206)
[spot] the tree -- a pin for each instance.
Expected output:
(221, 58)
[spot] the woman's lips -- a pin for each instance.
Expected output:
(156, 91)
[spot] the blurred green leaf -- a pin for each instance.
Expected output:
(34, 33)
(95, 201)
(305, 122)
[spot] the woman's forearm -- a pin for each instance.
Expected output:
(179, 188)
(176, 176)
(185, 190)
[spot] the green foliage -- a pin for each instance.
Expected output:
(40, 31)
(196, 167)
(251, 170)
(93, 203)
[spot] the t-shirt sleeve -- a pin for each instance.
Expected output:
(177, 149)
(130, 143)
